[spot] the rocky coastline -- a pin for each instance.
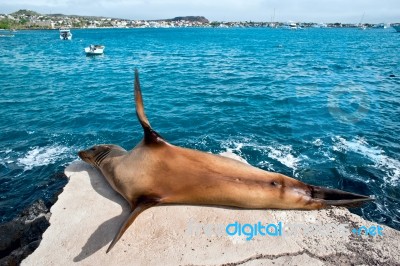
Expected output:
(22, 235)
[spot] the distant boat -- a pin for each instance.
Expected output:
(362, 26)
(291, 26)
(95, 50)
(396, 27)
(65, 34)
(381, 26)
(320, 25)
(6, 34)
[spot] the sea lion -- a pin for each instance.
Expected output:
(156, 172)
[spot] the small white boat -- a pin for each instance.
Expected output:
(7, 35)
(65, 34)
(95, 50)
(291, 26)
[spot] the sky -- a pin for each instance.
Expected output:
(345, 11)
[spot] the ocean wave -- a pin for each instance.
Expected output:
(284, 154)
(265, 164)
(321, 148)
(40, 156)
(318, 142)
(237, 148)
(375, 154)
(5, 157)
(234, 147)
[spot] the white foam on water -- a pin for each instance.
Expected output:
(327, 154)
(281, 153)
(40, 156)
(233, 146)
(233, 150)
(318, 142)
(5, 157)
(322, 149)
(377, 155)
(285, 155)
(266, 164)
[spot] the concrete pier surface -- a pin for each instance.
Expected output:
(89, 213)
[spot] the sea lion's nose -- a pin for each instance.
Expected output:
(81, 154)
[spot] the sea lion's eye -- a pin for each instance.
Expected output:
(274, 184)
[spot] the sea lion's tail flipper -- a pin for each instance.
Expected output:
(336, 197)
(135, 213)
(150, 136)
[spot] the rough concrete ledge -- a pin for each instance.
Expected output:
(88, 214)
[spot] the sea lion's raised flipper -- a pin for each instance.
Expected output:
(150, 136)
(135, 213)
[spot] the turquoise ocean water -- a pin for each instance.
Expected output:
(322, 105)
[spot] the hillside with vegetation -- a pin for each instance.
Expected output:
(27, 19)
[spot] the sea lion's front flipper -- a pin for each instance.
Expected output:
(150, 136)
(135, 213)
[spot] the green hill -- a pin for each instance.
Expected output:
(25, 12)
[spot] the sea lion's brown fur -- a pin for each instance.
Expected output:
(156, 172)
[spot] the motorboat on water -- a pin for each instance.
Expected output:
(7, 35)
(396, 27)
(291, 26)
(4, 33)
(95, 49)
(65, 34)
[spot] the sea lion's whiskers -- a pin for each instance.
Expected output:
(101, 157)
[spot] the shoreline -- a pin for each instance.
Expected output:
(22, 234)
(200, 27)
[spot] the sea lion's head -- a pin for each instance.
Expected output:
(98, 153)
